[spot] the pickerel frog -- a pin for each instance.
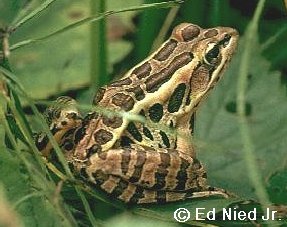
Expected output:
(144, 162)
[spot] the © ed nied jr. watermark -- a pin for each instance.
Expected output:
(231, 214)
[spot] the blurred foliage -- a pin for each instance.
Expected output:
(60, 64)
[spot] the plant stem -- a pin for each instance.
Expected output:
(98, 47)
(248, 146)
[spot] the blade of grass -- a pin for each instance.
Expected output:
(93, 19)
(41, 120)
(150, 22)
(129, 116)
(25, 10)
(164, 29)
(273, 38)
(248, 146)
(32, 14)
(87, 207)
(37, 177)
(17, 87)
(27, 197)
(22, 123)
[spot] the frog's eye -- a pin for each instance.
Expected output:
(212, 55)
(225, 41)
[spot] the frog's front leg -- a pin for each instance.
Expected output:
(63, 118)
(141, 174)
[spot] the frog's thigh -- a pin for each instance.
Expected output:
(131, 193)
(156, 169)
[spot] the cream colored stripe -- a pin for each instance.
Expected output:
(149, 169)
(110, 184)
(149, 197)
(174, 196)
(175, 163)
(110, 165)
(128, 193)
(132, 163)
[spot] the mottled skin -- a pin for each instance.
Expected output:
(144, 162)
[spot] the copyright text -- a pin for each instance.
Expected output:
(231, 214)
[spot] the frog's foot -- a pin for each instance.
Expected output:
(210, 192)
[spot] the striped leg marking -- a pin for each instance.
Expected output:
(141, 174)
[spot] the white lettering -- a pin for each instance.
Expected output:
(233, 214)
(241, 215)
(226, 214)
(211, 215)
(198, 214)
(267, 216)
(252, 215)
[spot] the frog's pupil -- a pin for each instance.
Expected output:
(212, 54)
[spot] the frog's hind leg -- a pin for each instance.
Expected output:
(143, 196)
(133, 194)
(149, 168)
(139, 174)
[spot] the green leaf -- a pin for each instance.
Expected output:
(15, 130)
(277, 187)
(31, 204)
(60, 63)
